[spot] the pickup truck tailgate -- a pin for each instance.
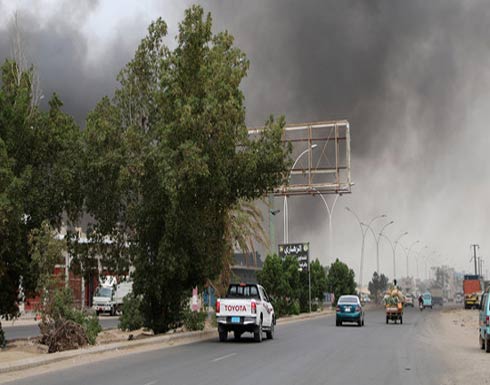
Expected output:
(236, 307)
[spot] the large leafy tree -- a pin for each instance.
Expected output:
(377, 286)
(168, 157)
(340, 279)
(39, 177)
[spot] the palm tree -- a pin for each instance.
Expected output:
(243, 230)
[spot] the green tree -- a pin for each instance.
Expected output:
(377, 286)
(39, 177)
(169, 156)
(318, 280)
(340, 279)
(46, 251)
(281, 279)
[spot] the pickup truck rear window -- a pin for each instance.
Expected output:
(247, 291)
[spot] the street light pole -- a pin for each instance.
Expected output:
(330, 213)
(393, 248)
(285, 206)
(408, 253)
(377, 238)
(418, 255)
(394, 252)
(363, 233)
(272, 230)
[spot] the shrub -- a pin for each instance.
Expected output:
(92, 328)
(194, 320)
(294, 308)
(3, 341)
(60, 308)
(214, 320)
(131, 318)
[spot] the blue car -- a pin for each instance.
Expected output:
(427, 300)
(484, 336)
(349, 309)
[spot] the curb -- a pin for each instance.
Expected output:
(29, 363)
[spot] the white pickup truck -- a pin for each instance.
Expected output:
(109, 299)
(246, 308)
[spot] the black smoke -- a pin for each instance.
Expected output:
(411, 77)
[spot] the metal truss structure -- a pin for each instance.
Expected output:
(321, 154)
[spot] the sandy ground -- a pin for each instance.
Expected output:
(458, 344)
(21, 349)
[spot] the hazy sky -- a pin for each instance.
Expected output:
(412, 77)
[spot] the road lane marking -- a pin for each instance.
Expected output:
(151, 382)
(224, 357)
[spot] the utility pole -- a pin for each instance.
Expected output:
(475, 257)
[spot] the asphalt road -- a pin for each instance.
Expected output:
(29, 331)
(307, 352)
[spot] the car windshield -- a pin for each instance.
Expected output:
(243, 291)
(103, 292)
(348, 300)
(426, 296)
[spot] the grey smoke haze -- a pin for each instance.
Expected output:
(412, 77)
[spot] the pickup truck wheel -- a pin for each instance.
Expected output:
(97, 312)
(270, 333)
(482, 342)
(223, 336)
(487, 345)
(258, 333)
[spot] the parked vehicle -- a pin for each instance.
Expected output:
(109, 296)
(246, 308)
(484, 331)
(472, 289)
(409, 300)
(437, 296)
(426, 300)
(459, 297)
(349, 309)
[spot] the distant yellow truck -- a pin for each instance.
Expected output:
(472, 289)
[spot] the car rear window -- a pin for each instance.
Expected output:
(348, 300)
(243, 291)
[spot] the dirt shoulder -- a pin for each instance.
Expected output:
(458, 340)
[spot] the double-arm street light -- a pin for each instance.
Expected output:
(330, 213)
(363, 233)
(393, 248)
(377, 238)
(408, 253)
(418, 256)
(285, 208)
